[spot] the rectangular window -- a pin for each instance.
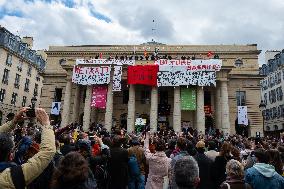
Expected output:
(36, 90)
(145, 97)
(125, 96)
(24, 101)
(27, 85)
(57, 94)
(37, 78)
(17, 81)
(5, 76)
(241, 98)
(20, 65)
(29, 73)
(2, 95)
(14, 98)
(9, 60)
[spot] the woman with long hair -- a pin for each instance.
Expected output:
(218, 170)
(275, 160)
(73, 173)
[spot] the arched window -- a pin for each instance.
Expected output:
(238, 62)
(62, 61)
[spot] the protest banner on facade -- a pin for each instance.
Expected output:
(186, 78)
(99, 97)
(242, 115)
(105, 61)
(116, 80)
(188, 99)
(91, 75)
(144, 75)
(192, 65)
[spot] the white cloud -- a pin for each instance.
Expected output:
(176, 22)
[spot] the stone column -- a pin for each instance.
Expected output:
(109, 108)
(67, 103)
(76, 106)
(177, 110)
(200, 114)
(131, 109)
(225, 119)
(87, 108)
(218, 109)
(154, 109)
(93, 116)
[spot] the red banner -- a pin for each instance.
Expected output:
(99, 97)
(144, 75)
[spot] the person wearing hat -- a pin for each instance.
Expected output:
(204, 164)
(138, 152)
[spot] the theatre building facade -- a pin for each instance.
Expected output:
(156, 85)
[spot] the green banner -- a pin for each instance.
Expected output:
(188, 99)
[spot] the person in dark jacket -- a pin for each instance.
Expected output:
(67, 147)
(218, 169)
(118, 164)
(73, 173)
(204, 164)
(235, 176)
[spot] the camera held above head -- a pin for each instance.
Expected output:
(31, 111)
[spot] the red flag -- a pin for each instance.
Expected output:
(210, 53)
(144, 75)
(101, 55)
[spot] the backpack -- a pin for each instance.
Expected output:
(133, 166)
(16, 174)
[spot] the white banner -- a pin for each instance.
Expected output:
(242, 115)
(105, 61)
(193, 65)
(55, 108)
(91, 75)
(116, 80)
(186, 78)
(140, 121)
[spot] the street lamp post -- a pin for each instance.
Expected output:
(262, 107)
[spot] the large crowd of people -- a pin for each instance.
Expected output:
(39, 155)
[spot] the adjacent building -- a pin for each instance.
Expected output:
(237, 84)
(272, 92)
(20, 71)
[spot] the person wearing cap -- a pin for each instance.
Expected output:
(204, 164)
(138, 152)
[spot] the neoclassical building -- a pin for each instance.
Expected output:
(21, 70)
(237, 84)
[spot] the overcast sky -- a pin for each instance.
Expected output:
(82, 22)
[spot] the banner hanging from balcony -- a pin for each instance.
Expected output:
(188, 72)
(91, 75)
(185, 77)
(105, 61)
(144, 75)
(99, 97)
(116, 80)
(242, 115)
(188, 99)
(193, 65)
